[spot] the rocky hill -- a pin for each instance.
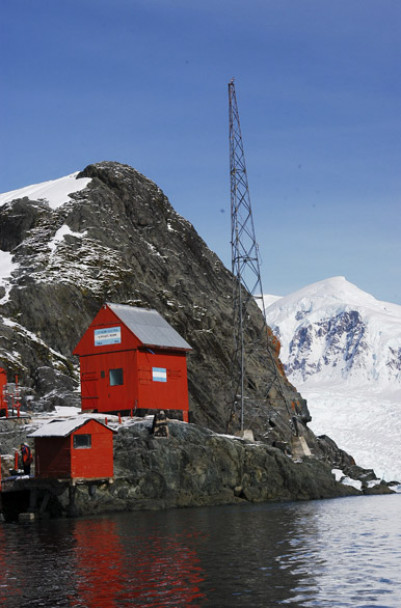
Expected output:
(110, 234)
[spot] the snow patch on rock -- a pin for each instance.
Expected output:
(7, 267)
(61, 233)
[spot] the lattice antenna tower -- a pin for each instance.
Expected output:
(244, 248)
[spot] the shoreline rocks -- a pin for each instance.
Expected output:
(197, 467)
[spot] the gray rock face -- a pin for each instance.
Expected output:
(120, 240)
(196, 467)
(192, 467)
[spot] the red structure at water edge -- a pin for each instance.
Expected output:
(74, 448)
(132, 359)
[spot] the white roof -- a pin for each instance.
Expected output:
(63, 428)
(149, 326)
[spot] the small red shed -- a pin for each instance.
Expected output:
(74, 448)
(132, 359)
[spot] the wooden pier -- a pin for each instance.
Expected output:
(24, 498)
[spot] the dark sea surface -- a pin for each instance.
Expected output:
(333, 553)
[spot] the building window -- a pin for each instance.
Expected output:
(116, 377)
(82, 441)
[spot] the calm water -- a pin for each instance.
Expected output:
(336, 553)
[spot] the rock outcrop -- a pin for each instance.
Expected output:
(197, 467)
(193, 466)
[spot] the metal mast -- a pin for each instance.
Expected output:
(244, 248)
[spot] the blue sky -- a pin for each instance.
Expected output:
(144, 82)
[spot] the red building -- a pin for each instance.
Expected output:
(3, 401)
(74, 448)
(132, 359)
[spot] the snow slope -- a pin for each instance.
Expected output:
(364, 422)
(342, 350)
(55, 192)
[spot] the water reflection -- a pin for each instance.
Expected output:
(328, 554)
(98, 556)
(123, 563)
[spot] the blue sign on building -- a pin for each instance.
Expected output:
(159, 374)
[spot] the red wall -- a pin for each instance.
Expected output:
(96, 461)
(57, 458)
(3, 382)
(96, 392)
(52, 457)
(170, 395)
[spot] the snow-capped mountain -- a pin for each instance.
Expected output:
(341, 348)
(335, 332)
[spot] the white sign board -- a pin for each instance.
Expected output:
(108, 335)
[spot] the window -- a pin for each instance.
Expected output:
(82, 441)
(116, 377)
